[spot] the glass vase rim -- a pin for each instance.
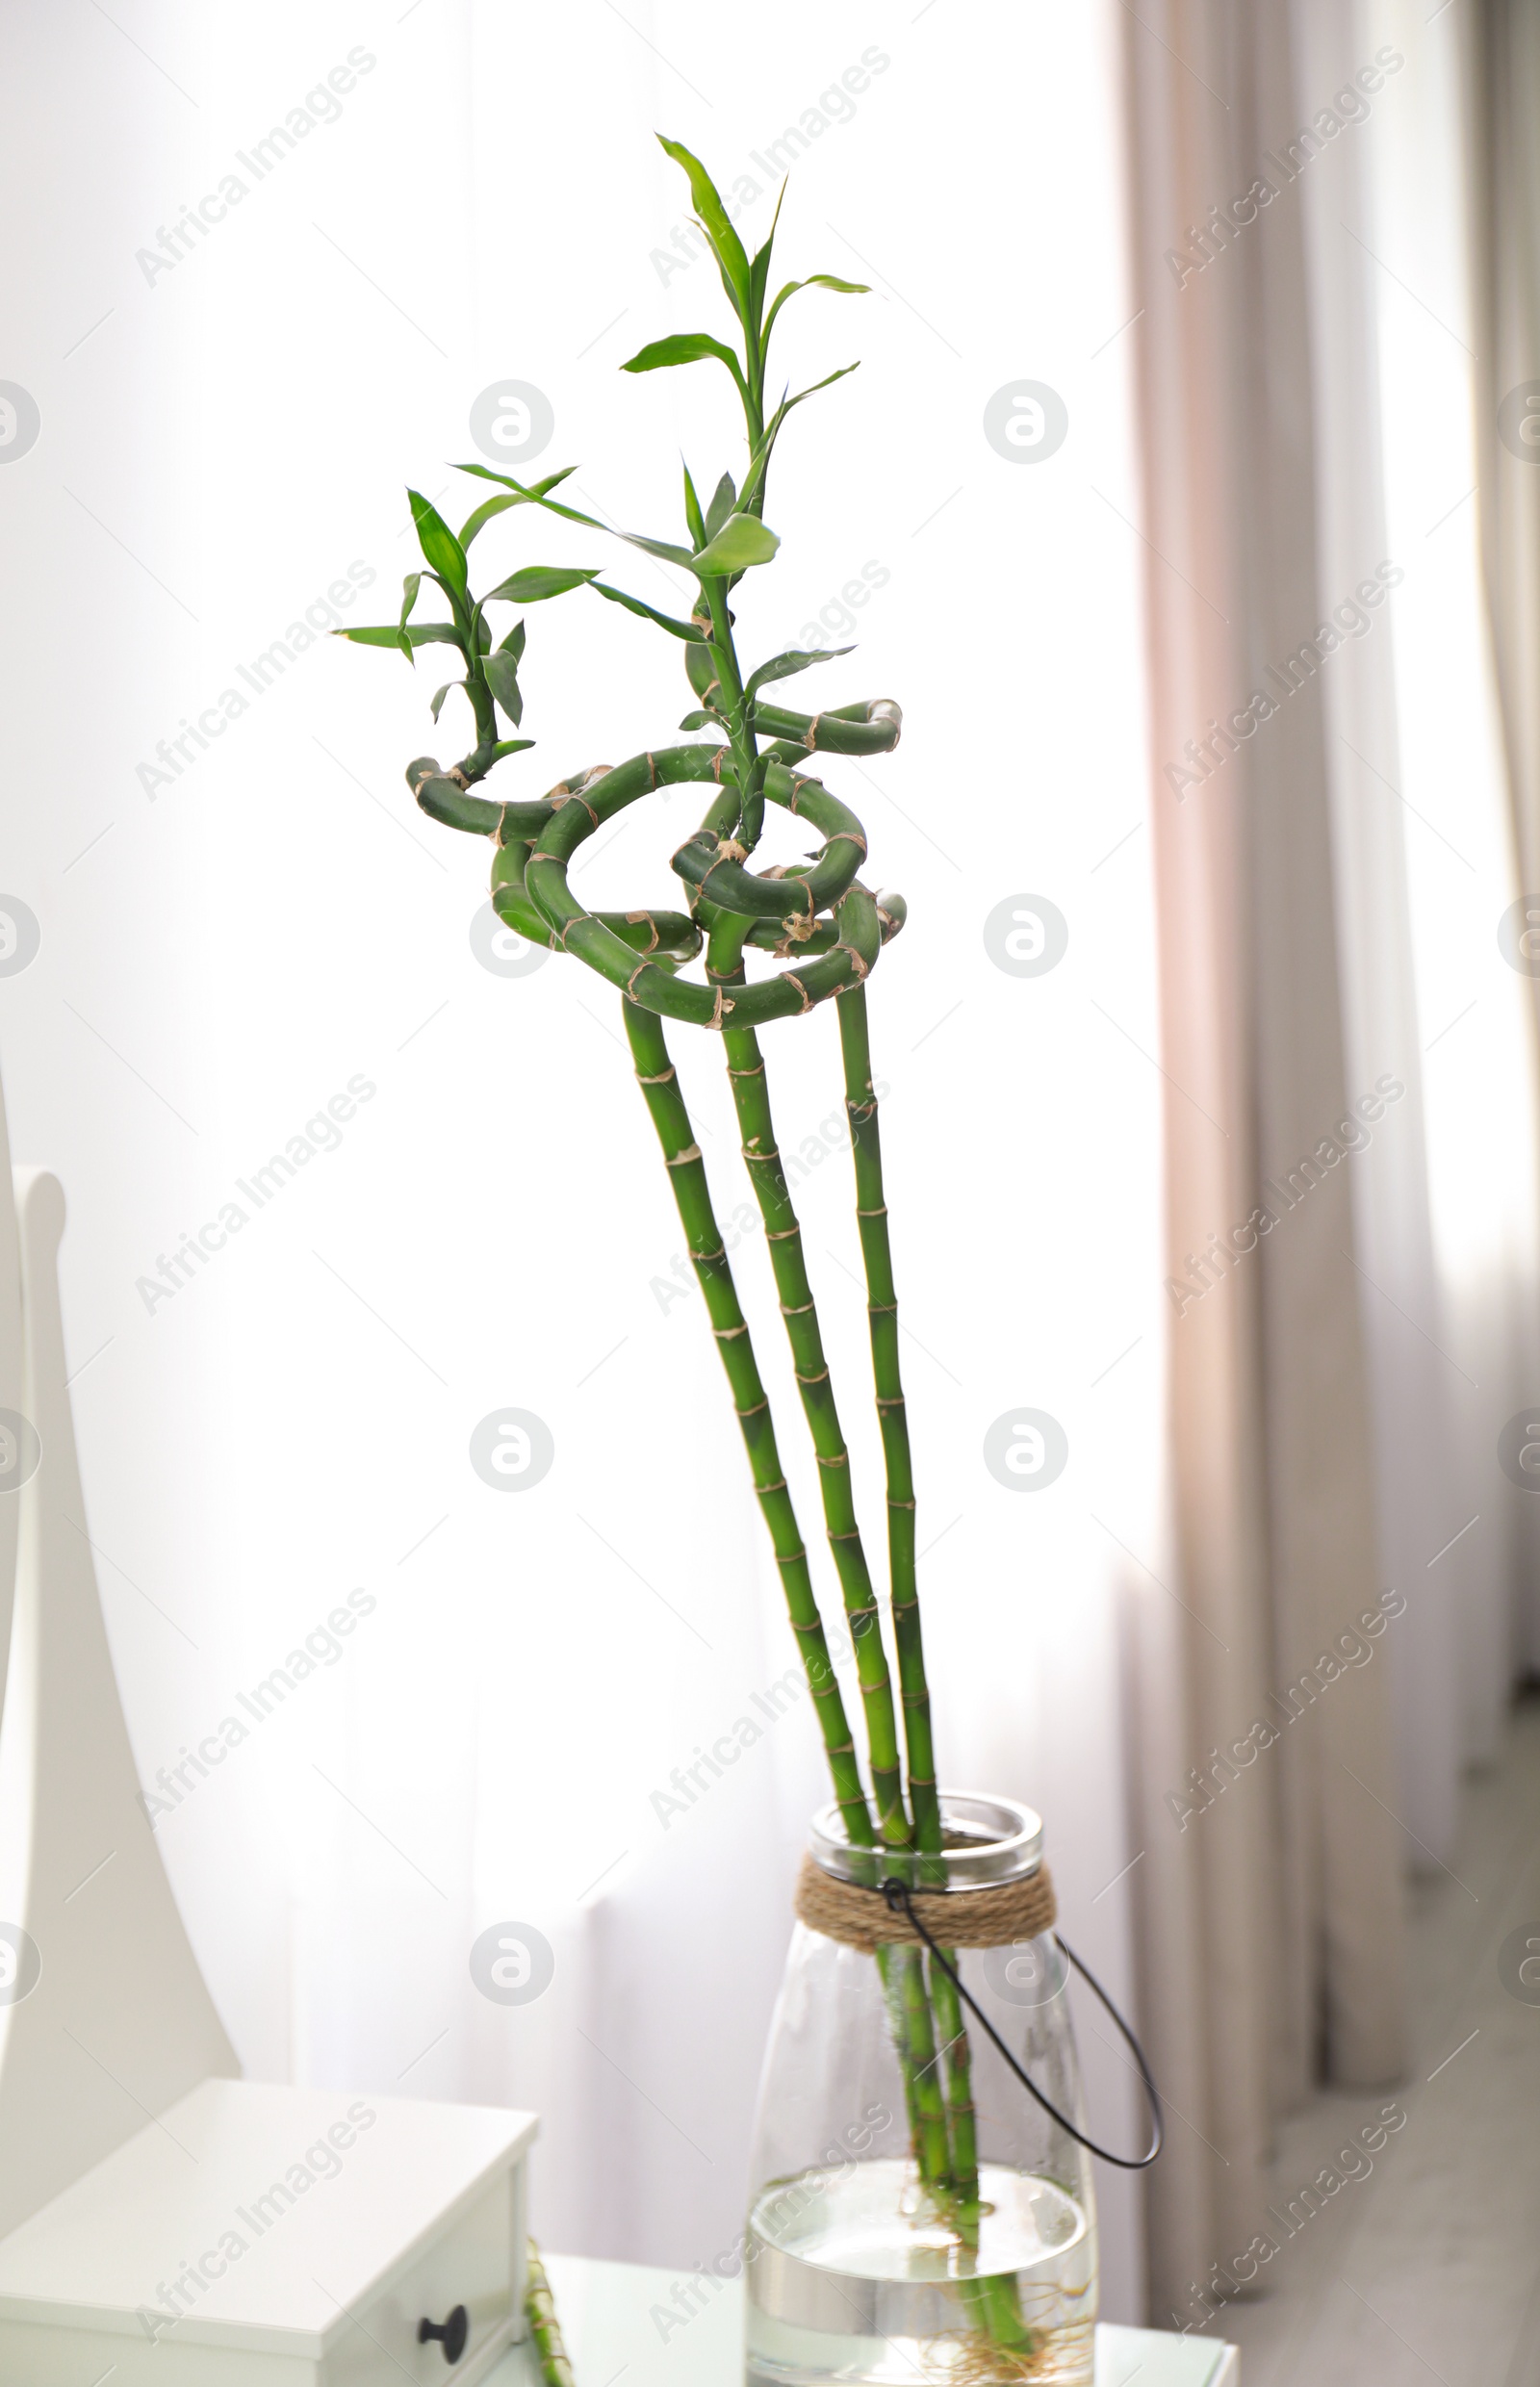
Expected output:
(990, 1839)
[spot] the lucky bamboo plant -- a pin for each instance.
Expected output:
(743, 750)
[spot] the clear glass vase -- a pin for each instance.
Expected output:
(883, 2249)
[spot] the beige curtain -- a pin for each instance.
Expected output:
(1271, 1916)
(1505, 154)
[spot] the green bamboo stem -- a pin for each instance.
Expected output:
(871, 1216)
(681, 1156)
(540, 2310)
(871, 1211)
(917, 2037)
(800, 1315)
(904, 1975)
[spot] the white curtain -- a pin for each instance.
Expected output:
(1462, 876)
(1310, 422)
(251, 945)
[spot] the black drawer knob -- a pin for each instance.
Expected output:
(450, 2334)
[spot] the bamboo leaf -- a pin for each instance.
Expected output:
(720, 507)
(713, 216)
(661, 548)
(499, 505)
(815, 281)
(513, 644)
(795, 659)
(409, 588)
(701, 721)
(694, 518)
(759, 271)
(438, 543)
(442, 693)
(486, 513)
(390, 634)
(502, 673)
(649, 613)
(758, 462)
(742, 541)
(682, 347)
(537, 582)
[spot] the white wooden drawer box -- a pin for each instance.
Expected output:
(257, 2236)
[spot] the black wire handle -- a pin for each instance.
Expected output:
(897, 1895)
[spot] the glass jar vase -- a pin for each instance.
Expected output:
(915, 2215)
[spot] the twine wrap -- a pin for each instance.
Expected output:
(960, 1919)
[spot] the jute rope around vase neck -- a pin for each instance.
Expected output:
(960, 1919)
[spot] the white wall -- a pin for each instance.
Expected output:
(233, 949)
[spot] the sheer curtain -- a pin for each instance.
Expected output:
(1502, 222)
(1333, 837)
(241, 925)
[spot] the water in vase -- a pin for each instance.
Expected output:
(854, 2280)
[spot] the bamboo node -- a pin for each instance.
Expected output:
(822, 1377)
(781, 1234)
(726, 1334)
(570, 795)
(881, 1212)
(894, 1401)
(456, 773)
(662, 1078)
(795, 1309)
(682, 1160)
(841, 1460)
(754, 1411)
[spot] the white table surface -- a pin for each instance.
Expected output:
(606, 2312)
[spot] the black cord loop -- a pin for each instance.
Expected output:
(899, 1900)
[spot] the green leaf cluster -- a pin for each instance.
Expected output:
(724, 540)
